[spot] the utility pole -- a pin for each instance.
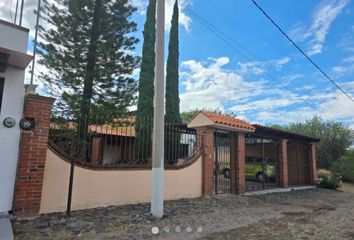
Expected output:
(35, 40)
(159, 117)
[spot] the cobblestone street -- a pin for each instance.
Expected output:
(310, 214)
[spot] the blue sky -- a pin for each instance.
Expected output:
(274, 83)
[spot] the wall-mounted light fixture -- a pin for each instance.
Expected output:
(27, 124)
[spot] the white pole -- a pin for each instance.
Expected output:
(35, 40)
(159, 118)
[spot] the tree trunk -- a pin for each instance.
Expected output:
(89, 78)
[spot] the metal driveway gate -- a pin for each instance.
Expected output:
(262, 164)
(222, 171)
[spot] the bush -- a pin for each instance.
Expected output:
(329, 182)
(345, 166)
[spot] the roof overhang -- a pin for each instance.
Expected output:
(200, 120)
(269, 132)
(231, 129)
(15, 59)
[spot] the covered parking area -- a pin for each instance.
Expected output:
(278, 158)
(239, 157)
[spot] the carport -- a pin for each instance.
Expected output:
(279, 158)
(240, 157)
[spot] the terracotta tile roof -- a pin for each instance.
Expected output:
(120, 127)
(107, 129)
(228, 121)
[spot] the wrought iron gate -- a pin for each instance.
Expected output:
(262, 164)
(222, 171)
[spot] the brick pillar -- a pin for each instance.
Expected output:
(207, 136)
(240, 178)
(95, 151)
(283, 163)
(313, 166)
(32, 157)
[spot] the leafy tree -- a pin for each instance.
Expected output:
(172, 76)
(335, 138)
(186, 117)
(145, 109)
(345, 166)
(87, 51)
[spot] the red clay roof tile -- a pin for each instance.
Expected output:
(228, 121)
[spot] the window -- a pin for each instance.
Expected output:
(2, 83)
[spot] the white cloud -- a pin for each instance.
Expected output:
(347, 40)
(260, 67)
(29, 18)
(288, 79)
(342, 70)
(348, 59)
(184, 20)
(210, 85)
(324, 15)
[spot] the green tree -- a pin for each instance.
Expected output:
(335, 138)
(144, 115)
(189, 115)
(345, 166)
(172, 76)
(87, 51)
(186, 117)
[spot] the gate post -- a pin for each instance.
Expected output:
(33, 152)
(283, 163)
(207, 137)
(312, 162)
(240, 176)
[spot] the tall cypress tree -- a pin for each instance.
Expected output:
(145, 110)
(172, 77)
(172, 140)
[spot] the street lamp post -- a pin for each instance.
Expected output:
(159, 118)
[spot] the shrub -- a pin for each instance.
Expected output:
(329, 182)
(345, 166)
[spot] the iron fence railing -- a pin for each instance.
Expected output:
(120, 140)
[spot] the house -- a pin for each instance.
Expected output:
(13, 62)
(113, 142)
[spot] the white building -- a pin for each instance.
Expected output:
(13, 62)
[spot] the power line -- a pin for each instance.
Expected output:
(302, 52)
(224, 37)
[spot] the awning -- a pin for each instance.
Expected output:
(15, 59)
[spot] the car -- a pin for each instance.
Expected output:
(254, 169)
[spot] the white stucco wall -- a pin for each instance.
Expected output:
(97, 188)
(12, 106)
(15, 39)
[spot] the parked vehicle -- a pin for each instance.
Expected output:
(254, 169)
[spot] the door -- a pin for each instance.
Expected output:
(222, 169)
(298, 164)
